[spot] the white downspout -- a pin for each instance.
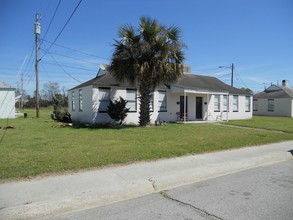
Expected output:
(228, 110)
(208, 101)
(184, 111)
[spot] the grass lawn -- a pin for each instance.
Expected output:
(266, 122)
(37, 146)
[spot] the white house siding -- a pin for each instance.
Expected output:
(86, 115)
(90, 113)
(282, 107)
(7, 103)
(223, 115)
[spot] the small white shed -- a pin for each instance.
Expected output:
(7, 101)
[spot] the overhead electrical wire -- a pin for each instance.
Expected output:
(78, 51)
(61, 29)
(51, 22)
(63, 68)
(86, 61)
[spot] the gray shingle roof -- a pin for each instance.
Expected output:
(206, 83)
(275, 91)
(188, 81)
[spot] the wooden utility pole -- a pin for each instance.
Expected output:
(37, 33)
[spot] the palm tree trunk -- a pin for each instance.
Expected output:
(144, 111)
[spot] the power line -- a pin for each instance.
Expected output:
(62, 29)
(72, 67)
(240, 78)
(63, 68)
(86, 61)
(78, 51)
(51, 21)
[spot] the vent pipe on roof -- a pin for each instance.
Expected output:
(186, 69)
(285, 82)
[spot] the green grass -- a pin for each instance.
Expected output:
(36, 146)
(265, 122)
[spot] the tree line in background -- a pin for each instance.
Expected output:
(50, 93)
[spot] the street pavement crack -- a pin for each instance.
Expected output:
(202, 212)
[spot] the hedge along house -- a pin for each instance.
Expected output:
(193, 97)
(277, 100)
(7, 101)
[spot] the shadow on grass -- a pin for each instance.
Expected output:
(103, 126)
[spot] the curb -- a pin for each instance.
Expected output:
(101, 187)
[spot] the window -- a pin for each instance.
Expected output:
(247, 103)
(235, 103)
(80, 100)
(225, 103)
(131, 100)
(217, 103)
(255, 105)
(104, 99)
(152, 102)
(270, 105)
(162, 101)
(72, 101)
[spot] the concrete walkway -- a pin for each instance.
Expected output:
(44, 197)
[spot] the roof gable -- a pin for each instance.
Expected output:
(276, 91)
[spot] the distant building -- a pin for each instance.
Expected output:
(277, 100)
(7, 101)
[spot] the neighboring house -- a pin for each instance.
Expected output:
(193, 97)
(277, 100)
(7, 101)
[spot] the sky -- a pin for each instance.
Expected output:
(255, 35)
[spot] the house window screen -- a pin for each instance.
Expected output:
(162, 101)
(255, 105)
(225, 103)
(152, 102)
(73, 101)
(235, 103)
(271, 105)
(104, 99)
(80, 101)
(131, 100)
(217, 103)
(247, 103)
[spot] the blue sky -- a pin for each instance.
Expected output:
(255, 35)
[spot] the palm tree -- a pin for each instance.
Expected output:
(148, 57)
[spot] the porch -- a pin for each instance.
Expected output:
(197, 106)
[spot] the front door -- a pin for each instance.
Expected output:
(183, 105)
(198, 107)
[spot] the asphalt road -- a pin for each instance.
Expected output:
(259, 193)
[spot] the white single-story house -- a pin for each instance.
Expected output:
(7, 101)
(193, 97)
(277, 100)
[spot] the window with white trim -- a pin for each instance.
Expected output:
(255, 105)
(271, 105)
(104, 99)
(80, 100)
(162, 101)
(225, 103)
(131, 97)
(217, 103)
(247, 103)
(235, 103)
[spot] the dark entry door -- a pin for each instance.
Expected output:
(198, 108)
(182, 104)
